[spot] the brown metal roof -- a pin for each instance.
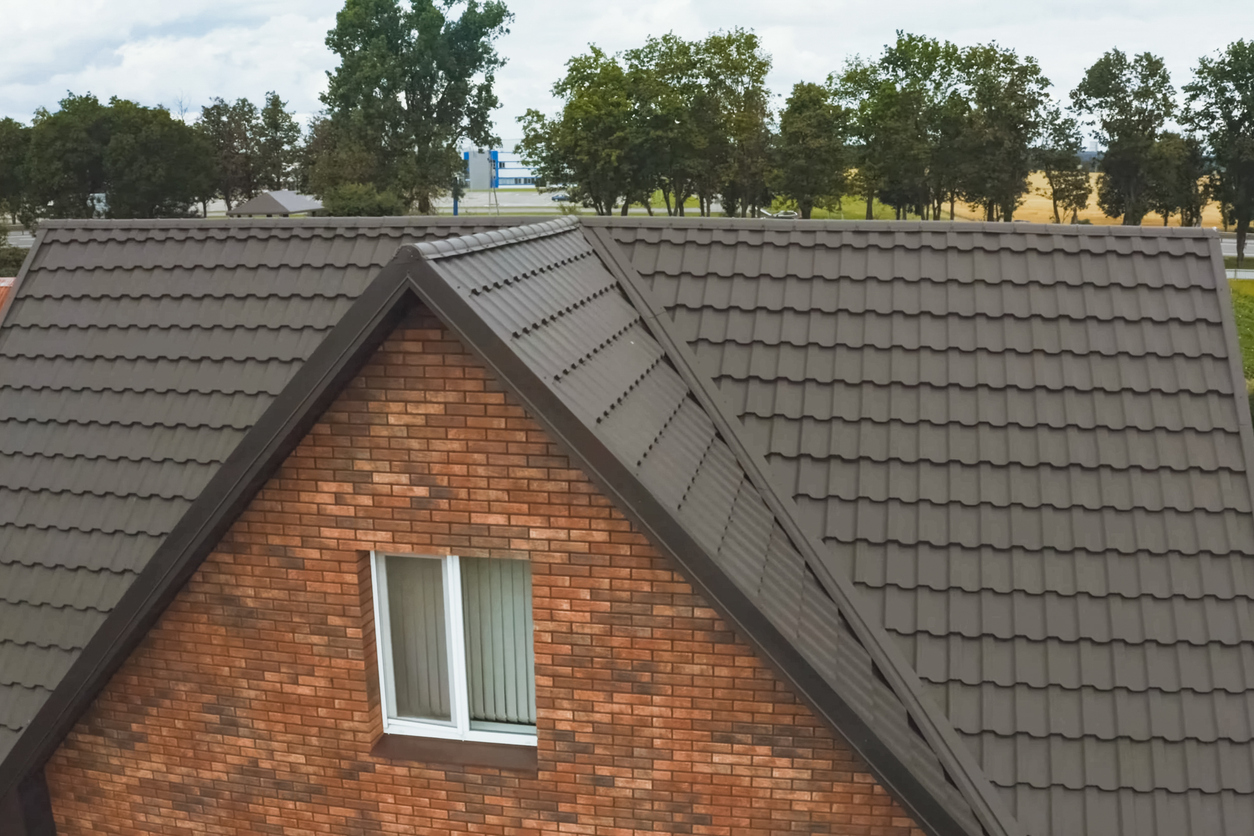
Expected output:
(558, 321)
(1011, 457)
(134, 358)
(1024, 446)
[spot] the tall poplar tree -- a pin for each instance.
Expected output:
(415, 79)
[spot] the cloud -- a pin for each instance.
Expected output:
(193, 50)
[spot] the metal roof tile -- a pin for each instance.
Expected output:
(1017, 431)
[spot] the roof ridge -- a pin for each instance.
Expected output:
(955, 757)
(858, 225)
(394, 221)
(492, 238)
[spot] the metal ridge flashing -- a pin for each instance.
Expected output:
(388, 222)
(828, 224)
(492, 238)
(953, 754)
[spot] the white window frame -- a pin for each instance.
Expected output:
(455, 629)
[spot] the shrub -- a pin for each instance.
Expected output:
(361, 200)
(11, 259)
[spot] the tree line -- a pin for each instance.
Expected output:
(919, 128)
(120, 159)
(415, 81)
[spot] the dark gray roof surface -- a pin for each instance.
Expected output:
(278, 202)
(550, 302)
(134, 357)
(1022, 445)
(1015, 453)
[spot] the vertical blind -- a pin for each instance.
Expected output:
(500, 660)
(420, 665)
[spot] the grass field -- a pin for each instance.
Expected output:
(1243, 307)
(1037, 208)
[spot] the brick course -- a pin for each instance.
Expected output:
(252, 706)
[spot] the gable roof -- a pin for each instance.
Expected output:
(1058, 353)
(548, 316)
(134, 358)
(277, 202)
(1027, 448)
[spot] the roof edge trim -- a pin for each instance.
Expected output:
(939, 732)
(1228, 317)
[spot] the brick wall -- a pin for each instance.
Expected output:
(252, 706)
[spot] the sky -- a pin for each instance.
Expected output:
(182, 54)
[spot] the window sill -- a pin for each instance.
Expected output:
(433, 750)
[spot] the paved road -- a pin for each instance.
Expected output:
(20, 238)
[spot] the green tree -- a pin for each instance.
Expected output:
(665, 82)
(361, 200)
(1221, 106)
(731, 113)
(810, 161)
(909, 119)
(65, 165)
(155, 166)
(231, 130)
(1128, 101)
(1057, 157)
(589, 148)
(414, 81)
(1008, 98)
(14, 147)
(278, 145)
(1178, 178)
(331, 157)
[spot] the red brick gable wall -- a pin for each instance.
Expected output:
(252, 706)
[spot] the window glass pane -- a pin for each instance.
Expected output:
(419, 644)
(500, 659)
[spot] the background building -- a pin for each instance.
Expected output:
(496, 169)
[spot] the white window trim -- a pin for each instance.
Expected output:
(459, 728)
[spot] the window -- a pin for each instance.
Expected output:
(455, 647)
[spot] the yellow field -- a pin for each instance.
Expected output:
(1037, 208)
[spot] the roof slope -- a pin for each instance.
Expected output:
(554, 323)
(277, 202)
(1022, 445)
(134, 357)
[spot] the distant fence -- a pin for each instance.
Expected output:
(1241, 274)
